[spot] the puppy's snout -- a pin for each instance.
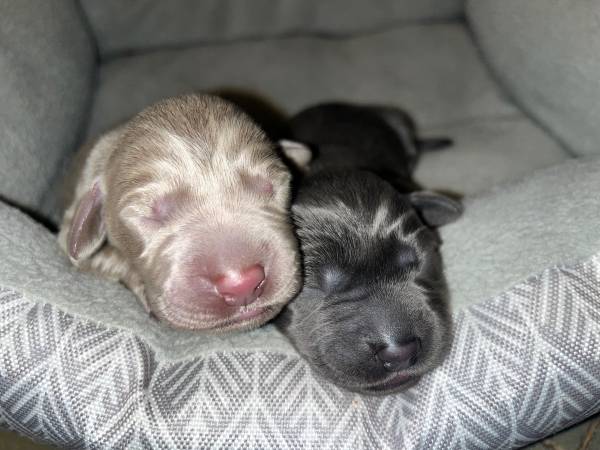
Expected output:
(241, 287)
(395, 357)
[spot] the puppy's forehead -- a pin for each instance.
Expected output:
(180, 156)
(226, 152)
(394, 217)
(367, 230)
(360, 215)
(212, 124)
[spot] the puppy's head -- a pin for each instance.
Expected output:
(372, 315)
(196, 199)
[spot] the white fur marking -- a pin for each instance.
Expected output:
(379, 219)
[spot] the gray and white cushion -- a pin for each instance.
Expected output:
(546, 54)
(82, 365)
(46, 70)
(523, 365)
(142, 25)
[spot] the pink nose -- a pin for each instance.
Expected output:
(241, 287)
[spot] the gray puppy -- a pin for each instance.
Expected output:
(373, 314)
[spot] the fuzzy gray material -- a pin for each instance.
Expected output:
(147, 24)
(485, 153)
(46, 64)
(513, 231)
(546, 53)
(434, 71)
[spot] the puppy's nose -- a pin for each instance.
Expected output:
(241, 287)
(397, 357)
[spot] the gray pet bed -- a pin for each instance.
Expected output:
(82, 366)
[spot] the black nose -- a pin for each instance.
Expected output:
(397, 357)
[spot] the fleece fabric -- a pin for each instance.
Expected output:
(550, 217)
(46, 67)
(139, 25)
(546, 53)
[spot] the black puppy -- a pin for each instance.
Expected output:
(373, 314)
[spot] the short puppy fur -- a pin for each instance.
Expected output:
(187, 204)
(373, 314)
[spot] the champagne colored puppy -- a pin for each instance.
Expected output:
(187, 204)
(373, 314)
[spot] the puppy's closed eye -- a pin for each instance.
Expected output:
(406, 257)
(333, 279)
(161, 209)
(258, 184)
(152, 211)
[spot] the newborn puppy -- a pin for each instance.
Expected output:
(187, 204)
(372, 315)
(379, 139)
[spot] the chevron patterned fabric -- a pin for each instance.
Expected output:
(523, 365)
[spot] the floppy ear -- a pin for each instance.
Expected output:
(297, 153)
(87, 231)
(435, 209)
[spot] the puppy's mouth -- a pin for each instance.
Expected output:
(398, 382)
(244, 318)
(203, 308)
(192, 303)
(247, 318)
(395, 382)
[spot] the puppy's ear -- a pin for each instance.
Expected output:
(297, 153)
(435, 209)
(87, 231)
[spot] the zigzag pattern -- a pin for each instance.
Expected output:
(523, 365)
